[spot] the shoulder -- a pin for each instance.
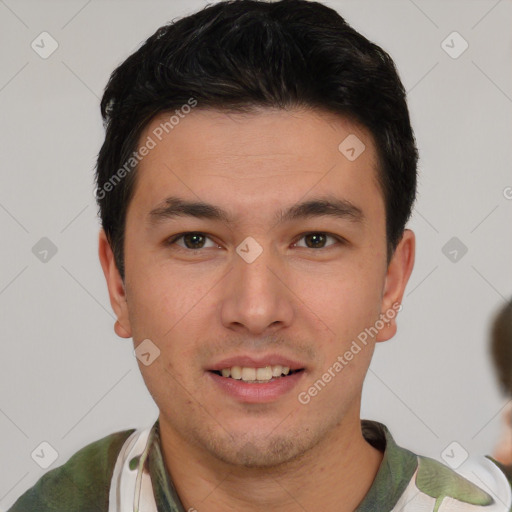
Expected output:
(507, 470)
(83, 479)
(479, 484)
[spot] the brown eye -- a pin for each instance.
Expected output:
(191, 240)
(317, 239)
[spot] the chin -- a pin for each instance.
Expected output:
(263, 453)
(259, 448)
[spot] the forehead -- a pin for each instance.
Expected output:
(271, 130)
(250, 160)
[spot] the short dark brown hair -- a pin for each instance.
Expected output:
(501, 347)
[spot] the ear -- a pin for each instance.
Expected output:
(397, 276)
(116, 289)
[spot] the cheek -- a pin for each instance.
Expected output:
(346, 299)
(169, 310)
(160, 299)
(365, 291)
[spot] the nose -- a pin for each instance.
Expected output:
(257, 296)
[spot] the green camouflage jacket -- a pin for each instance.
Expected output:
(125, 472)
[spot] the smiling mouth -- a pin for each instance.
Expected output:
(256, 375)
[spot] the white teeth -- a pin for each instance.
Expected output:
(277, 370)
(248, 374)
(264, 373)
(236, 372)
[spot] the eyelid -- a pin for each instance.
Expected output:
(172, 239)
(338, 238)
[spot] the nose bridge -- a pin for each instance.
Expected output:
(256, 297)
(252, 271)
(254, 263)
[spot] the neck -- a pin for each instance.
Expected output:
(335, 475)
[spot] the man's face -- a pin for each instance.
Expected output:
(270, 289)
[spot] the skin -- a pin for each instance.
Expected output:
(308, 302)
(503, 450)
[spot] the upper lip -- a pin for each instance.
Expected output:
(256, 362)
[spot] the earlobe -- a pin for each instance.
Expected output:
(121, 331)
(397, 276)
(116, 288)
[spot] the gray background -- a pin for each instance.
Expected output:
(67, 379)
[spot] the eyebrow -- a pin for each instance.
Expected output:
(173, 207)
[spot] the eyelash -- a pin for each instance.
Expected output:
(172, 240)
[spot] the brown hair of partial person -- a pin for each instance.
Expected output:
(501, 347)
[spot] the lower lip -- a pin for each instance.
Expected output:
(257, 393)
